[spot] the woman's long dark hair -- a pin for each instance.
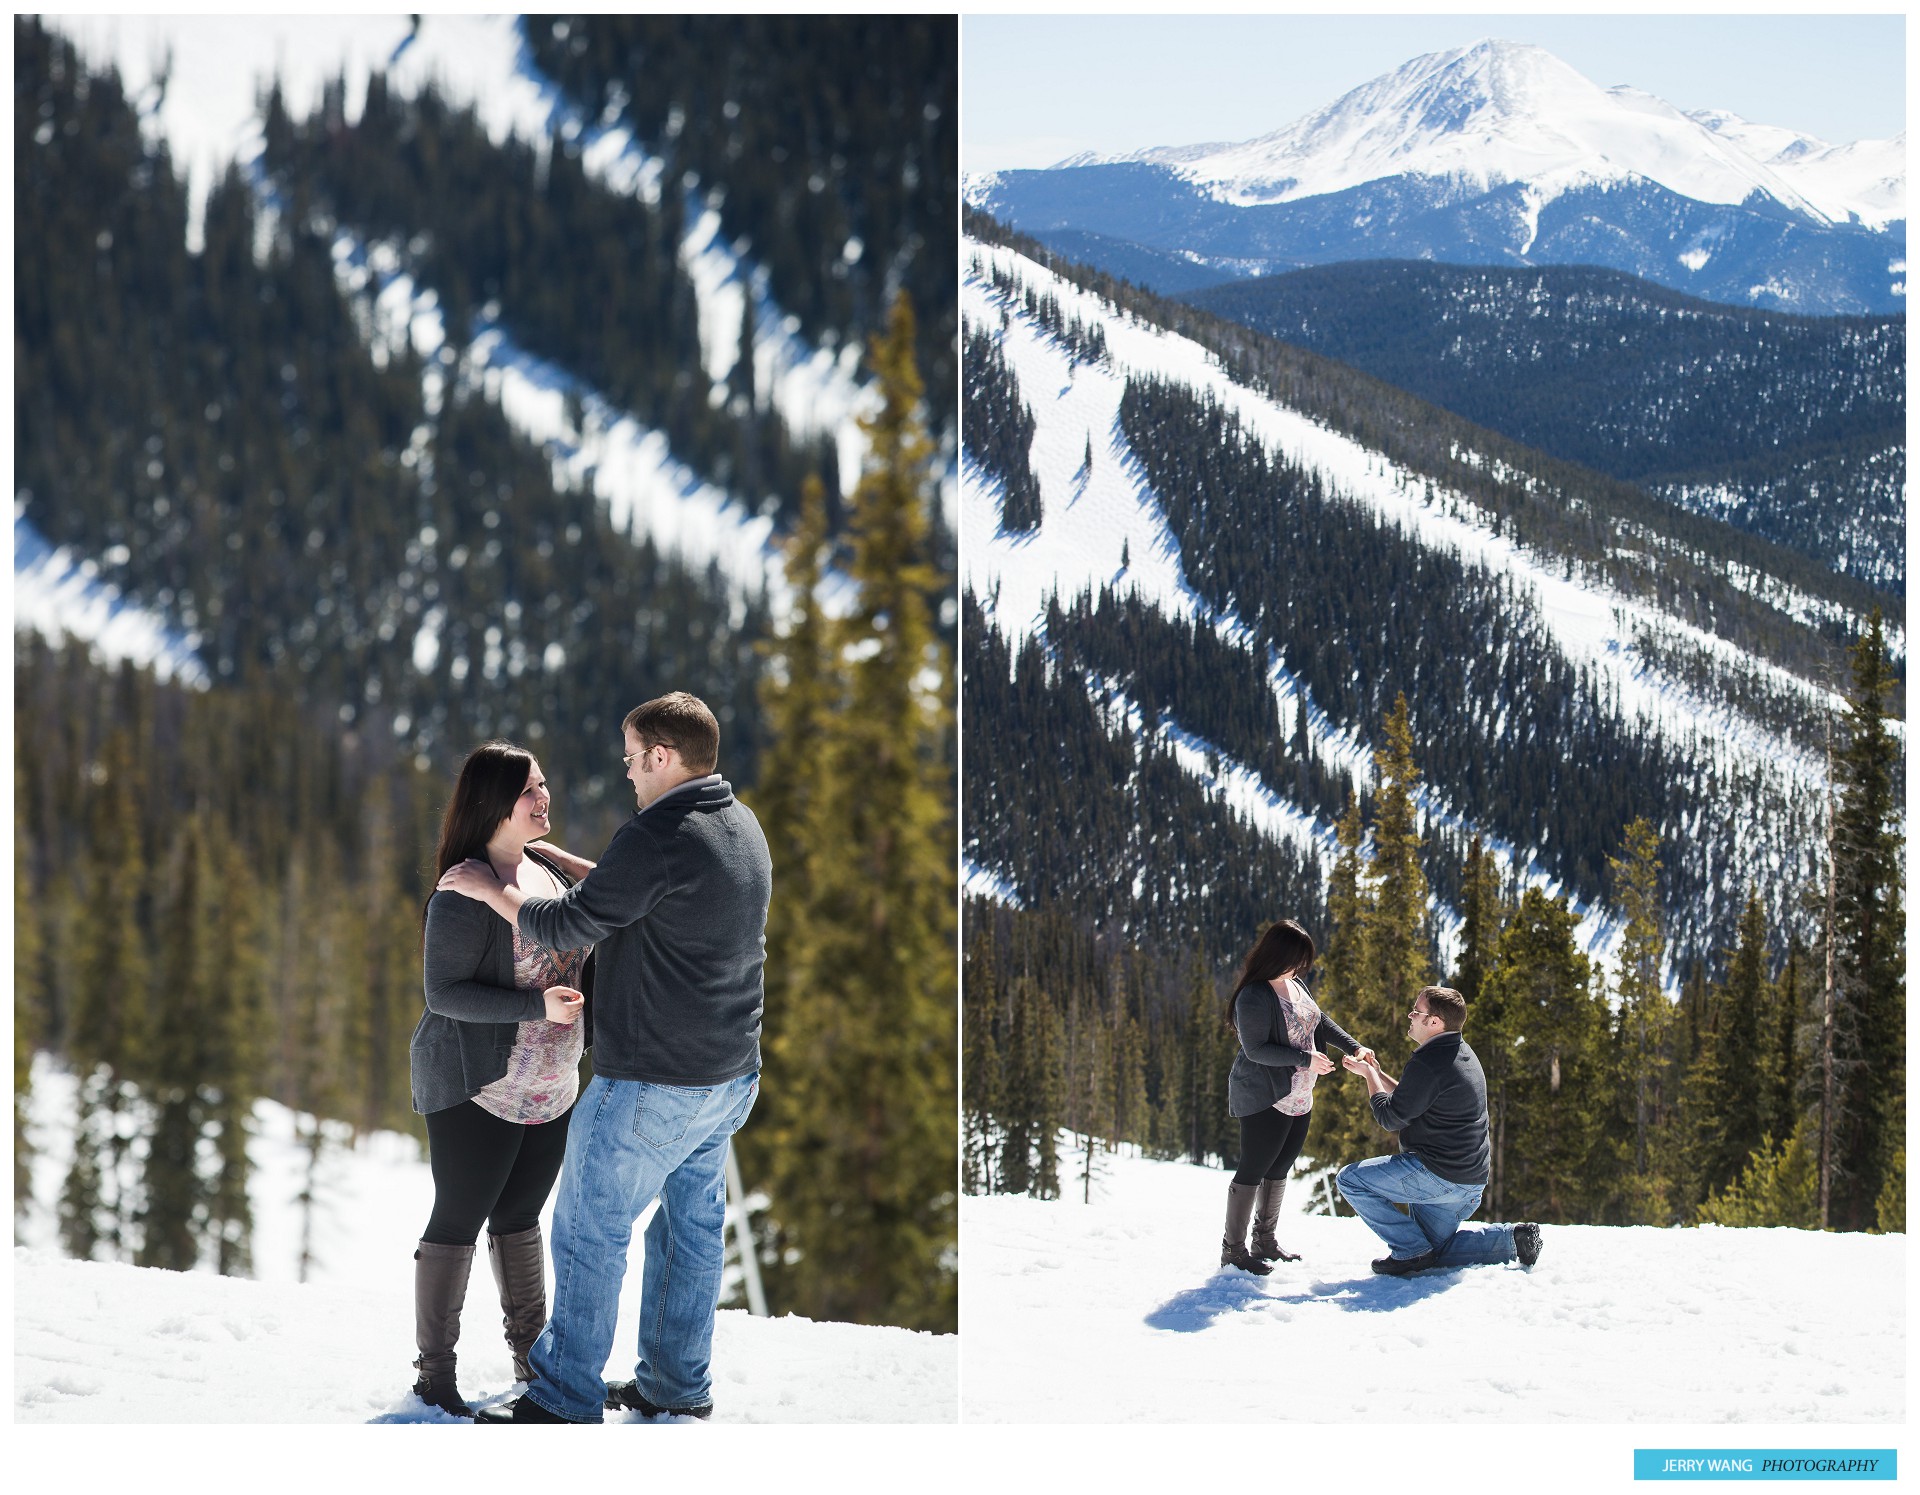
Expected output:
(491, 780)
(1283, 949)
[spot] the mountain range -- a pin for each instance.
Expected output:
(1498, 153)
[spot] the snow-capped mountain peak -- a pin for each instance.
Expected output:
(1479, 117)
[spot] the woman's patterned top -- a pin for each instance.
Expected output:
(1301, 1014)
(543, 1071)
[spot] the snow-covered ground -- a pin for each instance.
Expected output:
(1114, 1311)
(97, 1342)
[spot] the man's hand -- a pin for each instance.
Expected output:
(470, 879)
(476, 880)
(1378, 1081)
(1364, 1054)
(575, 867)
(564, 1004)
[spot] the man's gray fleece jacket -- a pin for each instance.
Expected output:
(677, 913)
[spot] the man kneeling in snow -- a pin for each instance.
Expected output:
(1439, 1108)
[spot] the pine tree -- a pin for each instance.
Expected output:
(1778, 1186)
(171, 1213)
(1737, 1070)
(108, 1032)
(801, 696)
(861, 1181)
(233, 1047)
(29, 996)
(1870, 941)
(981, 1064)
(1343, 1129)
(1543, 1042)
(1645, 1020)
(1401, 951)
(1480, 921)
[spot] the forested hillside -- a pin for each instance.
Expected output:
(1793, 428)
(1531, 730)
(835, 140)
(380, 566)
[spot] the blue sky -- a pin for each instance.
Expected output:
(1037, 88)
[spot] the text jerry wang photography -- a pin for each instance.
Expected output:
(1433, 678)
(484, 865)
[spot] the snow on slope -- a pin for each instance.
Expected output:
(1483, 115)
(97, 1342)
(1114, 1311)
(59, 595)
(628, 465)
(206, 112)
(1092, 515)
(1865, 179)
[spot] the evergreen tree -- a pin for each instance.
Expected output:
(863, 1192)
(29, 995)
(1544, 1032)
(1480, 920)
(981, 1070)
(108, 1035)
(1343, 1127)
(1870, 943)
(171, 1214)
(1401, 947)
(1736, 1072)
(231, 1076)
(1778, 1186)
(1645, 1022)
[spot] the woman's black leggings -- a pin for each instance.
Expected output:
(489, 1171)
(1269, 1142)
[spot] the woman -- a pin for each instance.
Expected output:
(495, 1067)
(1283, 1035)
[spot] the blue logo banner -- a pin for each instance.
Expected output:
(1765, 1463)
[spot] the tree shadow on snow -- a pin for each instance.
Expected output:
(1228, 1293)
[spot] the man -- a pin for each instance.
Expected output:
(1439, 1108)
(677, 909)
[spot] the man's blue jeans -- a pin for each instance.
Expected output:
(630, 1141)
(1436, 1212)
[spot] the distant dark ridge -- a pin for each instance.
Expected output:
(1613, 530)
(1804, 418)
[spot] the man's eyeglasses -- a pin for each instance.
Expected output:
(626, 759)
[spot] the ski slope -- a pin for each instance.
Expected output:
(1097, 515)
(1114, 1311)
(98, 1342)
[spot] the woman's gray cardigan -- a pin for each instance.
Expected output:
(474, 1011)
(1262, 1071)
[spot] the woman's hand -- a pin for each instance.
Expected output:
(1320, 1064)
(1364, 1054)
(564, 1004)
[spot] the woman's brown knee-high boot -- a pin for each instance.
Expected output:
(1266, 1217)
(439, 1293)
(520, 1272)
(1233, 1246)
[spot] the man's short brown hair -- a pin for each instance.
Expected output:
(1446, 1004)
(681, 722)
